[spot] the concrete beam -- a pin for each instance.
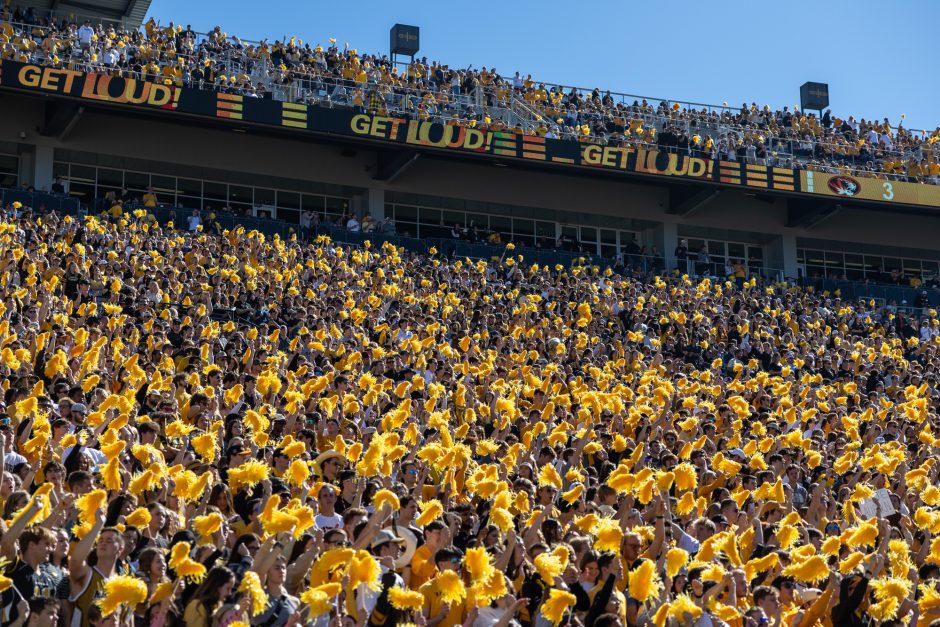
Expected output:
(684, 206)
(60, 118)
(812, 216)
(391, 166)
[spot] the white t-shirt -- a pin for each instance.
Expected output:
(11, 459)
(329, 522)
(366, 597)
(489, 616)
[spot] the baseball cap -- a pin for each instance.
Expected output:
(736, 452)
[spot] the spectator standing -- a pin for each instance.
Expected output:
(681, 254)
(194, 221)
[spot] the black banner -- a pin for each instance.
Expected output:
(422, 135)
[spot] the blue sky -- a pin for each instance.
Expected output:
(879, 58)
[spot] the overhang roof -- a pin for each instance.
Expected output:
(131, 13)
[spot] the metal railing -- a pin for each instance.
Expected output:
(317, 88)
(900, 297)
(651, 103)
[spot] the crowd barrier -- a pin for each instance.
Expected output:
(39, 201)
(898, 295)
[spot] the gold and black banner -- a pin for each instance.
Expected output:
(433, 136)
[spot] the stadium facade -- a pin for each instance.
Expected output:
(207, 150)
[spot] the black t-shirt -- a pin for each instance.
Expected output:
(28, 584)
(34, 583)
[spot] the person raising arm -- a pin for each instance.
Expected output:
(86, 580)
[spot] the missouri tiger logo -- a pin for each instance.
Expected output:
(844, 186)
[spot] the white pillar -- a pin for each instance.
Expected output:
(27, 170)
(375, 202)
(781, 255)
(667, 238)
(42, 167)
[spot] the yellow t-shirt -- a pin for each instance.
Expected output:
(620, 596)
(422, 567)
(433, 606)
(195, 614)
(150, 200)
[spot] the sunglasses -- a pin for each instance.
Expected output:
(339, 543)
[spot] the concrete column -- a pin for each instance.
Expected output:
(666, 238)
(375, 202)
(27, 168)
(781, 255)
(42, 167)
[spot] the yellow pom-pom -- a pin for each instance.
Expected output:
(206, 526)
(549, 476)
(608, 535)
(549, 567)
(811, 570)
(251, 586)
(760, 565)
(557, 604)
(206, 446)
(404, 600)
(363, 569)
(478, 563)
(644, 582)
(249, 474)
(183, 565)
(864, 535)
(89, 384)
(686, 477)
(90, 503)
(297, 473)
(502, 519)
(450, 587)
(676, 558)
(122, 590)
(161, 592)
(386, 496)
(430, 511)
(851, 562)
(572, 495)
(140, 517)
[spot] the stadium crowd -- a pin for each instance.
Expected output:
(483, 98)
(225, 429)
